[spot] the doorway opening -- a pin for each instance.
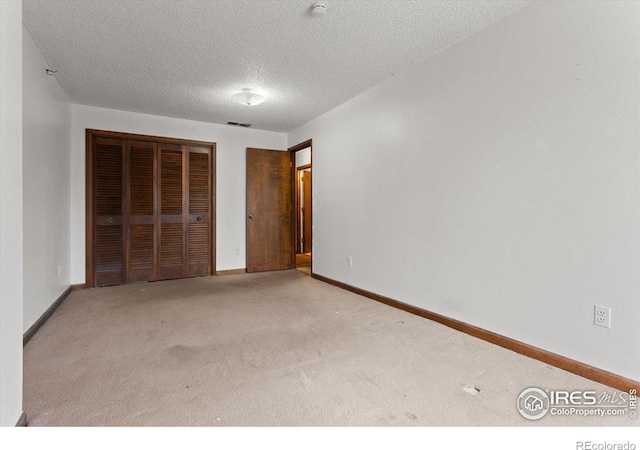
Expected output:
(303, 234)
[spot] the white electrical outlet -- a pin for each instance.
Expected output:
(59, 271)
(602, 316)
(349, 261)
(237, 251)
(319, 199)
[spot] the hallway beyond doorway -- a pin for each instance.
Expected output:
(303, 262)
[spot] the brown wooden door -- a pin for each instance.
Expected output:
(173, 227)
(269, 211)
(306, 210)
(185, 211)
(151, 213)
(199, 233)
(140, 212)
(108, 189)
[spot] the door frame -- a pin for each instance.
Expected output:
(294, 189)
(90, 136)
(298, 200)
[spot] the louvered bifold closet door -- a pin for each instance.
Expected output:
(199, 233)
(173, 226)
(151, 208)
(140, 212)
(108, 157)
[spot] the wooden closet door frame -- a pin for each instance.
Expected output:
(294, 189)
(90, 250)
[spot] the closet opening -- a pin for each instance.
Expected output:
(150, 208)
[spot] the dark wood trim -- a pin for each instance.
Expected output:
(298, 202)
(91, 135)
(44, 317)
(231, 272)
(78, 287)
(22, 421)
(296, 188)
(294, 193)
(570, 365)
(302, 146)
(145, 137)
(213, 228)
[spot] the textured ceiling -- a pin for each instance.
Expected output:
(186, 58)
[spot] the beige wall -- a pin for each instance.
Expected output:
(498, 182)
(10, 212)
(46, 116)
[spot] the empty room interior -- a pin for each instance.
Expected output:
(340, 213)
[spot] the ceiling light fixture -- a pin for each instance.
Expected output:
(248, 97)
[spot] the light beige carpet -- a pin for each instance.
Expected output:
(276, 349)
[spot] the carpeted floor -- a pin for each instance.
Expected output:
(269, 349)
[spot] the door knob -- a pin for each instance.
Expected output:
(250, 216)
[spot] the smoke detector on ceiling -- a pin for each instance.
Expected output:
(319, 9)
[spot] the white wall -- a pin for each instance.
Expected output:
(498, 182)
(303, 157)
(10, 212)
(230, 173)
(46, 121)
